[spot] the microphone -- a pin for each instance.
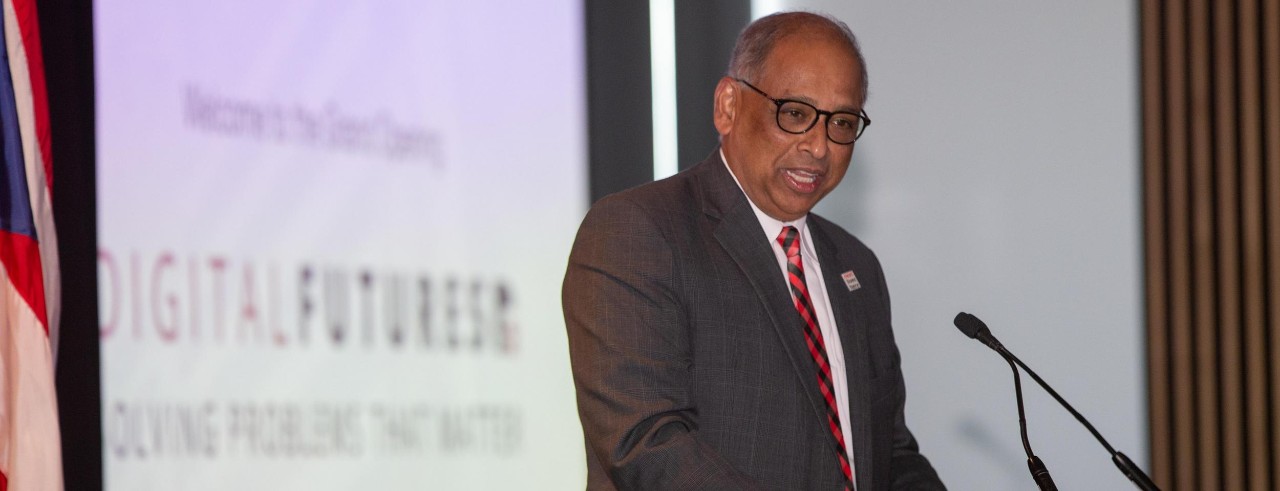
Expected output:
(976, 329)
(973, 327)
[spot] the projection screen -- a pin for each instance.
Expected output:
(331, 236)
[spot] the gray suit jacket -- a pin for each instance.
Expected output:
(690, 361)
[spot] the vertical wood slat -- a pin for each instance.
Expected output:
(1271, 117)
(1153, 130)
(1251, 176)
(1179, 244)
(1229, 371)
(1203, 282)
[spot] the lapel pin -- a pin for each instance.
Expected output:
(850, 280)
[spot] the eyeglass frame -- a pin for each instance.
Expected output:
(818, 113)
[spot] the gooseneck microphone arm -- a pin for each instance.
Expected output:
(973, 327)
(1039, 472)
(1022, 413)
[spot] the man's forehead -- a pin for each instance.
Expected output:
(798, 56)
(804, 47)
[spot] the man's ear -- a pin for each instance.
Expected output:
(725, 105)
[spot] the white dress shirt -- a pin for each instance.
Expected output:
(821, 303)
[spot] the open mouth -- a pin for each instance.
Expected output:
(801, 180)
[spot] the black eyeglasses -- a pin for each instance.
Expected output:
(798, 117)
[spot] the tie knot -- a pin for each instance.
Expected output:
(790, 240)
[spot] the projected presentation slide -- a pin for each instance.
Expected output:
(331, 240)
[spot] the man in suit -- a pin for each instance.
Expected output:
(721, 335)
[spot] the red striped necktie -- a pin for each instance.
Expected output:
(790, 240)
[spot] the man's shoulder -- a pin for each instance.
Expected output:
(638, 224)
(675, 196)
(657, 195)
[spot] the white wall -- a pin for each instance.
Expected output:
(1000, 178)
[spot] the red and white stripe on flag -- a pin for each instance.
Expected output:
(30, 442)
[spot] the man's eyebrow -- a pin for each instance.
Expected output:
(847, 109)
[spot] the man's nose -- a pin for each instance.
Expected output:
(815, 141)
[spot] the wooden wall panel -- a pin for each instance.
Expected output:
(1211, 177)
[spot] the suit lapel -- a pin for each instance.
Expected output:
(847, 307)
(739, 232)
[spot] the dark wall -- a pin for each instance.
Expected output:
(705, 32)
(619, 96)
(66, 36)
(619, 87)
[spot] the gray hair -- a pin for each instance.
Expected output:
(758, 39)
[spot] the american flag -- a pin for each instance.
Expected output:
(30, 448)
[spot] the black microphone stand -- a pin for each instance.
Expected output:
(1130, 470)
(973, 327)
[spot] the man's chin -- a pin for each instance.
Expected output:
(791, 212)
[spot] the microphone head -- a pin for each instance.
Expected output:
(969, 325)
